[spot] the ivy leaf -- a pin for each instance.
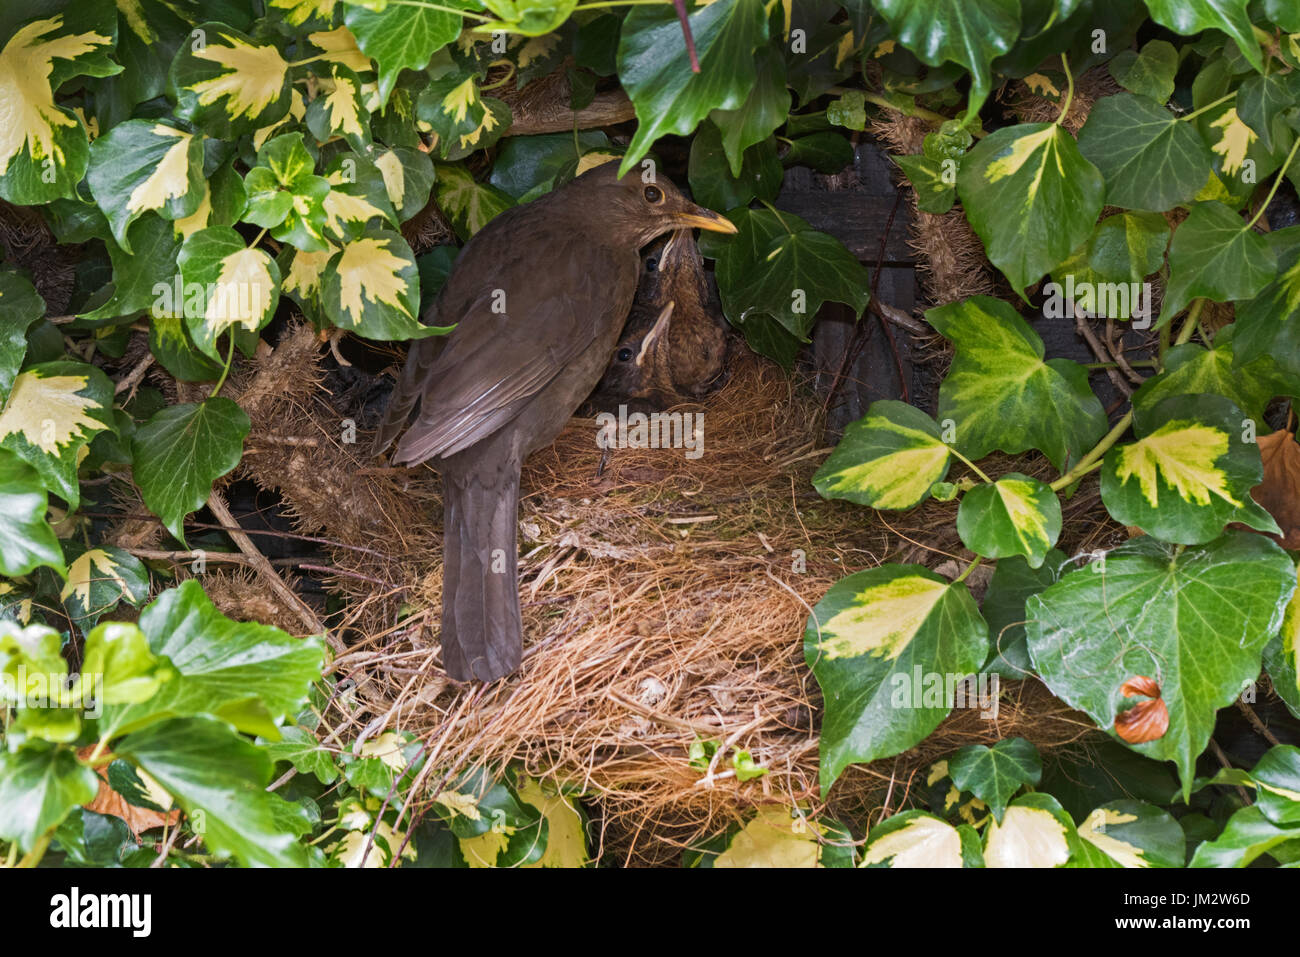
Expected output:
(286, 196)
(528, 17)
(39, 786)
(118, 662)
(1277, 784)
(863, 640)
(1034, 832)
(98, 578)
(400, 37)
(20, 306)
(889, 458)
(44, 149)
(137, 274)
(778, 836)
(1197, 618)
(371, 287)
(1263, 99)
(171, 345)
(766, 108)
(1269, 324)
(408, 178)
(712, 183)
(339, 110)
(780, 266)
(1189, 473)
(1149, 158)
(1148, 72)
(181, 451)
(358, 198)
(1283, 14)
(994, 774)
(968, 32)
(1191, 369)
(1016, 515)
(220, 779)
(53, 410)
(1126, 247)
(301, 749)
(143, 166)
(1032, 198)
(227, 83)
(1130, 833)
(469, 204)
(1012, 583)
(247, 674)
(26, 539)
(936, 190)
(463, 119)
(1280, 658)
(655, 72)
(913, 839)
(149, 34)
(825, 152)
(240, 286)
(1215, 256)
(1247, 835)
(1187, 17)
(1000, 392)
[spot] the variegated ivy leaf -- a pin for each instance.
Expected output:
(913, 839)
(53, 410)
(98, 579)
(1130, 833)
(1195, 619)
(1216, 256)
(869, 639)
(20, 306)
(286, 196)
(358, 196)
(145, 166)
(26, 539)
(340, 46)
(401, 37)
(469, 204)
(297, 12)
(889, 458)
(297, 113)
(529, 17)
(1189, 473)
(302, 272)
(1031, 196)
(1001, 394)
(462, 118)
(408, 179)
(339, 110)
(1282, 658)
(994, 774)
(149, 34)
(44, 147)
(226, 82)
(222, 204)
(1016, 515)
(170, 344)
(371, 287)
(1035, 831)
(227, 286)
(781, 836)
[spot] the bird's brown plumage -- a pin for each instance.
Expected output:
(539, 297)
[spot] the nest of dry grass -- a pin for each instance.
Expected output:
(661, 604)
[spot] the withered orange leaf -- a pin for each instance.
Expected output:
(1145, 721)
(1279, 493)
(1140, 687)
(138, 819)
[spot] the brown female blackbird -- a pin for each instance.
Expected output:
(539, 297)
(674, 345)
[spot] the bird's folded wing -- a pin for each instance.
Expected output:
(495, 362)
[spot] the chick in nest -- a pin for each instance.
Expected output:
(674, 346)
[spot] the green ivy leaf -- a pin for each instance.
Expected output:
(143, 166)
(1012, 583)
(1124, 248)
(889, 458)
(1247, 836)
(825, 152)
(247, 674)
(765, 109)
(712, 183)
(227, 83)
(1148, 72)
(1187, 17)
(1032, 198)
(1280, 658)
(1277, 784)
(1195, 619)
(39, 786)
(863, 641)
(98, 578)
(1001, 394)
(1215, 256)
(52, 412)
(400, 37)
(1269, 324)
(1264, 100)
(26, 539)
(20, 306)
(1283, 14)
(469, 204)
(301, 749)
(656, 73)
(171, 345)
(136, 275)
(1016, 515)
(1131, 834)
(529, 166)
(181, 451)
(1149, 158)
(286, 196)
(968, 32)
(529, 17)
(1189, 473)
(238, 287)
(220, 780)
(936, 190)
(994, 774)
(118, 667)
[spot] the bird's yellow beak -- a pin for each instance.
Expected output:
(700, 218)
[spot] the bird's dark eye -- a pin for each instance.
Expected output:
(651, 264)
(653, 194)
(624, 355)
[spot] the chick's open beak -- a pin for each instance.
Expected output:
(697, 217)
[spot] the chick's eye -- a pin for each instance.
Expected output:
(653, 194)
(624, 355)
(651, 264)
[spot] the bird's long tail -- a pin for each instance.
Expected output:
(482, 632)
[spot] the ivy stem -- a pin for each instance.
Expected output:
(1276, 183)
(969, 568)
(917, 111)
(1193, 321)
(1209, 106)
(1069, 89)
(230, 359)
(973, 467)
(440, 8)
(42, 843)
(1093, 459)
